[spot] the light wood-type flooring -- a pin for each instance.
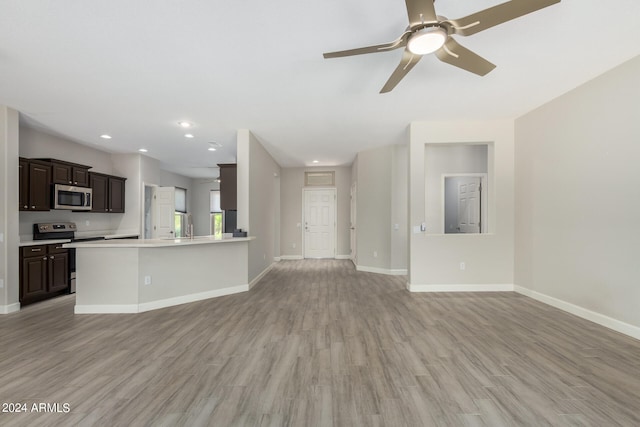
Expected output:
(316, 343)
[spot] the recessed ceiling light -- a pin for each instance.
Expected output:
(212, 148)
(188, 135)
(185, 124)
(143, 150)
(316, 161)
(105, 136)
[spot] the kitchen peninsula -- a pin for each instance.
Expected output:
(137, 275)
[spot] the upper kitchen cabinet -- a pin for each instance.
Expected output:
(35, 185)
(69, 173)
(108, 192)
(228, 186)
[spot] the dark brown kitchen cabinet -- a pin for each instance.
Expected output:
(68, 173)
(44, 272)
(228, 186)
(108, 192)
(35, 185)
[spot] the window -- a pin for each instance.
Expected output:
(320, 179)
(181, 200)
(216, 213)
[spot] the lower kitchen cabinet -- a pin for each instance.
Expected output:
(44, 272)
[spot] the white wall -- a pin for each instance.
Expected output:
(258, 201)
(434, 260)
(291, 185)
(9, 268)
(577, 199)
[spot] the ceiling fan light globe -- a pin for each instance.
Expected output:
(427, 40)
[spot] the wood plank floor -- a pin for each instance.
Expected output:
(316, 343)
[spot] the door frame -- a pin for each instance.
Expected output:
(483, 198)
(335, 217)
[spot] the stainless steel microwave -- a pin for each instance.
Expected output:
(72, 197)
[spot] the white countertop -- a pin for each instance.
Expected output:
(42, 242)
(156, 243)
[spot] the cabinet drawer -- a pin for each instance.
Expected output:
(56, 249)
(31, 251)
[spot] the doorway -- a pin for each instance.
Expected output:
(319, 219)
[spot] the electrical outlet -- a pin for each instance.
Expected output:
(147, 280)
(293, 245)
(87, 223)
(1, 283)
(1, 237)
(375, 254)
(463, 266)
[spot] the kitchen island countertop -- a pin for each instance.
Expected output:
(156, 243)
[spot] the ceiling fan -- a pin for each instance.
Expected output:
(428, 33)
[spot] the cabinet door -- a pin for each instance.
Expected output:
(39, 187)
(228, 187)
(61, 174)
(23, 170)
(116, 195)
(80, 177)
(58, 268)
(33, 278)
(99, 184)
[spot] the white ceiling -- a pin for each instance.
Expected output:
(133, 69)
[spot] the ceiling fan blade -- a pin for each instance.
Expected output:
(495, 15)
(415, 8)
(406, 64)
(461, 57)
(385, 47)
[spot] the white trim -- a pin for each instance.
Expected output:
(260, 276)
(276, 259)
(462, 287)
(290, 257)
(343, 256)
(592, 316)
(387, 271)
(9, 308)
(154, 305)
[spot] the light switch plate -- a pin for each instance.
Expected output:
(1, 237)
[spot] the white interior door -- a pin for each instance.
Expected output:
(165, 201)
(319, 223)
(352, 229)
(469, 200)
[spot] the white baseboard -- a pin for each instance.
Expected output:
(260, 276)
(343, 256)
(155, 305)
(387, 271)
(592, 316)
(9, 308)
(503, 287)
(291, 257)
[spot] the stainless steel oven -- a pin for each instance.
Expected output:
(72, 197)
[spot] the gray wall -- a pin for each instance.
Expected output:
(258, 201)
(200, 205)
(291, 185)
(577, 197)
(381, 182)
(9, 268)
(435, 258)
